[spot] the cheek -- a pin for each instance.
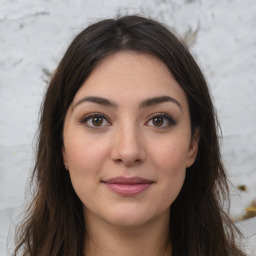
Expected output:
(86, 154)
(85, 158)
(171, 155)
(85, 162)
(170, 163)
(172, 167)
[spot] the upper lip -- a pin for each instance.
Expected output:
(128, 181)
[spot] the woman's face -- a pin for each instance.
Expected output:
(127, 140)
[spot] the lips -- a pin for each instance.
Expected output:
(128, 186)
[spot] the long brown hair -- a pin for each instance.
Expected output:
(198, 225)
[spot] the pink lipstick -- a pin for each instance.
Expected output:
(128, 186)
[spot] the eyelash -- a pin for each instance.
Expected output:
(163, 116)
(88, 117)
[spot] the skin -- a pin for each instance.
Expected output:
(128, 142)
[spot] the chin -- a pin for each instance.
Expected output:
(126, 220)
(130, 217)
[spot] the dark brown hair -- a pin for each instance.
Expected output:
(198, 225)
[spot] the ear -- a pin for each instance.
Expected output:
(193, 147)
(65, 160)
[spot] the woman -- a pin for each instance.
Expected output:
(128, 160)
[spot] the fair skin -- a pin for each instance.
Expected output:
(129, 119)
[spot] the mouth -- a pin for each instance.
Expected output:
(128, 186)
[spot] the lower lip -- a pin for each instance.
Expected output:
(128, 189)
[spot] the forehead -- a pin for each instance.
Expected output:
(130, 76)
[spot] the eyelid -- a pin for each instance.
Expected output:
(86, 117)
(171, 120)
(167, 118)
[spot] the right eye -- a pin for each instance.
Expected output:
(95, 120)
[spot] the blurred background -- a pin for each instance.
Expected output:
(34, 35)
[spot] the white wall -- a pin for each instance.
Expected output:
(35, 34)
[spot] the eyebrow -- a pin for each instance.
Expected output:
(97, 100)
(158, 100)
(145, 103)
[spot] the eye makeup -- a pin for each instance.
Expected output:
(161, 120)
(157, 120)
(95, 120)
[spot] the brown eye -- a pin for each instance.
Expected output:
(158, 121)
(161, 121)
(97, 121)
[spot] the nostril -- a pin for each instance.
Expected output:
(128, 151)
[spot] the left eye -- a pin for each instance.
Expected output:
(161, 121)
(95, 120)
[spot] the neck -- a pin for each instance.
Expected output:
(104, 239)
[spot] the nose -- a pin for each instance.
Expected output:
(128, 146)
